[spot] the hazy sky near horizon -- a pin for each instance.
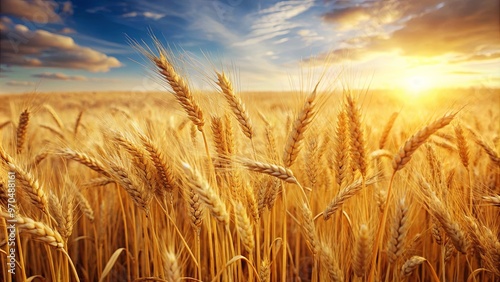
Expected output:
(49, 45)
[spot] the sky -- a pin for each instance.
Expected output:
(49, 45)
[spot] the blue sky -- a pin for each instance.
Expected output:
(52, 45)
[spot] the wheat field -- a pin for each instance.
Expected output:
(183, 185)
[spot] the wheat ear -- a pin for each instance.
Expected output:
(309, 228)
(387, 129)
(54, 116)
(141, 160)
(195, 209)
(362, 251)
(463, 147)
(172, 269)
(277, 171)
(235, 104)
(411, 264)
(141, 197)
(31, 186)
(180, 89)
(451, 227)
(39, 230)
(489, 150)
(345, 194)
(84, 159)
(78, 123)
(398, 230)
(411, 145)
(163, 169)
(300, 125)
(207, 194)
(84, 205)
(358, 152)
(22, 129)
(244, 227)
(341, 149)
(330, 264)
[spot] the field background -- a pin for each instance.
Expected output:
(75, 162)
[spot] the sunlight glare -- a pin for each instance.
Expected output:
(418, 84)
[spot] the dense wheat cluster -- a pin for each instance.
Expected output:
(220, 186)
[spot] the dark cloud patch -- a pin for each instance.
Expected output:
(40, 48)
(38, 11)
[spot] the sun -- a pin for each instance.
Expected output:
(416, 85)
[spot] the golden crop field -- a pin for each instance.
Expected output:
(182, 185)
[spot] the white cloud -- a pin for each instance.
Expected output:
(20, 83)
(60, 76)
(130, 15)
(149, 15)
(275, 21)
